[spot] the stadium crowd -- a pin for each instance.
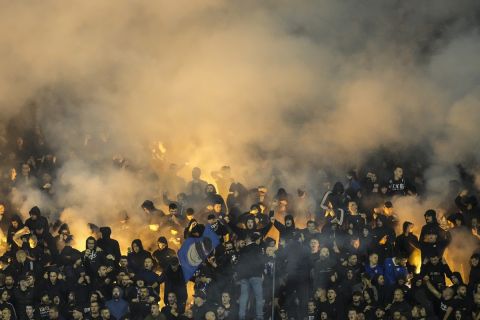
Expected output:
(351, 260)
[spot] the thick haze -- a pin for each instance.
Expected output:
(257, 85)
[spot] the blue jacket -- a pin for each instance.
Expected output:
(393, 272)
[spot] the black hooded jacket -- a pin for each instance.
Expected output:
(108, 245)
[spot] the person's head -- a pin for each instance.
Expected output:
(173, 209)
(155, 309)
(30, 311)
(352, 260)
(105, 313)
(398, 172)
(143, 292)
(462, 290)
(102, 271)
(137, 246)
(379, 313)
(311, 226)
(475, 260)
(283, 313)
(94, 307)
(226, 298)
(25, 169)
(196, 173)
(53, 276)
(352, 314)
(217, 207)
(91, 243)
(288, 221)
(9, 280)
(373, 259)
(448, 293)
(199, 299)
(314, 245)
(77, 314)
(331, 294)
(324, 252)
(357, 297)
(126, 280)
(407, 227)
(123, 262)
(4, 295)
(116, 293)
(430, 216)
(352, 207)
(7, 314)
(311, 306)
(397, 315)
(221, 311)
(53, 312)
(148, 263)
(398, 295)
(250, 223)
(171, 298)
(210, 315)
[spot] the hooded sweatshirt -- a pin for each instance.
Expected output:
(108, 245)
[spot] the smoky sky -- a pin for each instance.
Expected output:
(273, 85)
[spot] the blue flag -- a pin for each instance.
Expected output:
(195, 250)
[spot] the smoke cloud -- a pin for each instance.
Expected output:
(294, 86)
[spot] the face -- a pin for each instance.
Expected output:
(6, 314)
(116, 293)
(225, 298)
(352, 207)
(53, 276)
(91, 244)
(311, 227)
(217, 207)
(94, 307)
(9, 281)
(447, 294)
(14, 224)
(311, 306)
(398, 172)
(352, 260)
(53, 314)
(29, 311)
(324, 252)
(373, 259)
(314, 245)
(250, 224)
(77, 314)
(144, 293)
(288, 223)
(352, 315)
(4, 296)
(209, 189)
(171, 298)
(105, 314)
(155, 309)
(102, 271)
(331, 294)
(398, 295)
(135, 248)
(381, 280)
(123, 263)
(428, 219)
(148, 264)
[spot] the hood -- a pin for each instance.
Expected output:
(138, 242)
(106, 232)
